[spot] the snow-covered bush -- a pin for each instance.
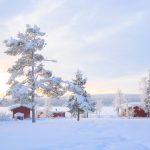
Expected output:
(4, 116)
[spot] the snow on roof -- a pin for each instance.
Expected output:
(19, 114)
(55, 109)
(59, 109)
(132, 104)
(20, 105)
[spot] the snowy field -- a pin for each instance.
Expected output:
(68, 134)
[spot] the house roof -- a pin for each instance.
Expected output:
(59, 109)
(20, 105)
(55, 109)
(133, 104)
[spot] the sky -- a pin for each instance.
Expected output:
(108, 40)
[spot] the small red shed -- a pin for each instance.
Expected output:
(58, 112)
(134, 109)
(139, 112)
(54, 111)
(21, 111)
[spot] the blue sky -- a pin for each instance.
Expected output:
(108, 40)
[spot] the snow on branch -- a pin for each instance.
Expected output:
(35, 29)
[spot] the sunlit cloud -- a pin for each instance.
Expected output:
(102, 40)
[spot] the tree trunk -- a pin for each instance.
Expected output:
(148, 114)
(33, 90)
(78, 117)
(87, 115)
(33, 114)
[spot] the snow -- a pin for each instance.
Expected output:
(81, 100)
(20, 91)
(11, 42)
(54, 109)
(103, 133)
(35, 29)
(19, 115)
(108, 112)
(68, 134)
(59, 109)
(5, 110)
(132, 104)
(29, 46)
(19, 105)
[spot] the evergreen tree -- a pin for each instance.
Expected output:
(28, 75)
(147, 97)
(79, 101)
(143, 88)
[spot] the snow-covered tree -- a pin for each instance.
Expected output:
(46, 107)
(143, 88)
(146, 97)
(28, 75)
(119, 100)
(79, 101)
(99, 105)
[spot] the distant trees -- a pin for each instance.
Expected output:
(79, 101)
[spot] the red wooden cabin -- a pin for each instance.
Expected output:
(134, 109)
(58, 114)
(139, 112)
(24, 109)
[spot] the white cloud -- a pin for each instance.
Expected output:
(102, 35)
(75, 39)
(128, 84)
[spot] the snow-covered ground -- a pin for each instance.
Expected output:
(106, 132)
(68, 134)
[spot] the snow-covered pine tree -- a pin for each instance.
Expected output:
(28, 74)
(143, 87)
(147, 97)
(119, 100)
(79, 101)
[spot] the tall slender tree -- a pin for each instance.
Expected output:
(79, 101)
(147, 97)
(28, 75)
(143, 87)
(119, 100)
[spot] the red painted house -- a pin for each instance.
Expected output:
(139, 112)
(20, 111)
(55, 112)
(133, 110)
(58, 114)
